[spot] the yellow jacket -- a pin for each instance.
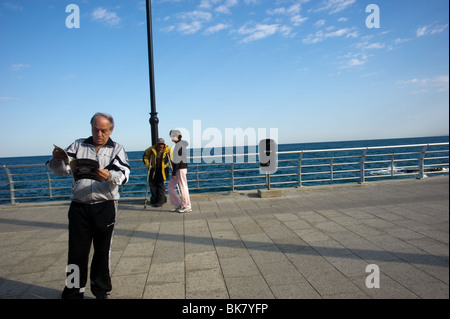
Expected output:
(149, 158)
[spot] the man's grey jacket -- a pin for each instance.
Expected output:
(111, 156)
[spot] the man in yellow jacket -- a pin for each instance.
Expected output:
(157, 159)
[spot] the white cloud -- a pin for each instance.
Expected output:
(319, 23)
(376, 45)
(19, 66)
(320, 36)
(335, 6)
(354, 60)
(217, 28)
(12, 6)
(225, 7)
(196, 15)
(400, 40)
(257, 32)
(435, 84)
(208, 11)
(205, 4)
(293, 12)
(337, 33)
(261, 31)
(298, 19)
(108, 18)
(281, 10)
(294, 9)
(285, 31)
(430, 29)
(370, 46)
(6, 99)
(189, 28)
(169, 28)
(314, 38)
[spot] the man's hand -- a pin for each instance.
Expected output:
(103, 174)
(59, 155)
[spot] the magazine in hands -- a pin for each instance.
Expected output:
(83, 168)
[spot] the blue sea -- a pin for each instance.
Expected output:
(136, 188)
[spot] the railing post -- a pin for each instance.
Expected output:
(49, 185)
(392, 164)
(11, 185)
(268, 180)
(232, 175)
(422, 162)
(198, 182)
(300, 170)
(363, 163)
(331, 168)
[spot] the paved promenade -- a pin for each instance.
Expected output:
(309, 243)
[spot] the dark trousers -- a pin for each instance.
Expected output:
(91, 224)
(157, 188)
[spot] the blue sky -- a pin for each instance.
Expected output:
(312, 69)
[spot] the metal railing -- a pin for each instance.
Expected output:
(27, 183)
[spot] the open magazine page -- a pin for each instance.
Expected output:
(84, 168)
(62, 151)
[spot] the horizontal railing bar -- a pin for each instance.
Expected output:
(30, 189)
(282, 175)
(316, 173)
(27, 174)
(209, 172)
(213, 179)
(32, 181)
(384, 176)
(437, 158)
(318, 165)
(245, 170)
(315, 180)
(286, 167)
(249, 185)
(390, 154)
(361, 148)
(249, 177)
(346, 171)
(344, 178)
(284, 183)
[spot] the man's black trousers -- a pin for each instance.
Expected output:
(91, 224)
(157, 188)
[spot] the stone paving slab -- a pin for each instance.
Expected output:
(311, 243)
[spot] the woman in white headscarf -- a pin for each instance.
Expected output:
(179, 171)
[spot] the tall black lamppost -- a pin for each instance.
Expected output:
(153, 114)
